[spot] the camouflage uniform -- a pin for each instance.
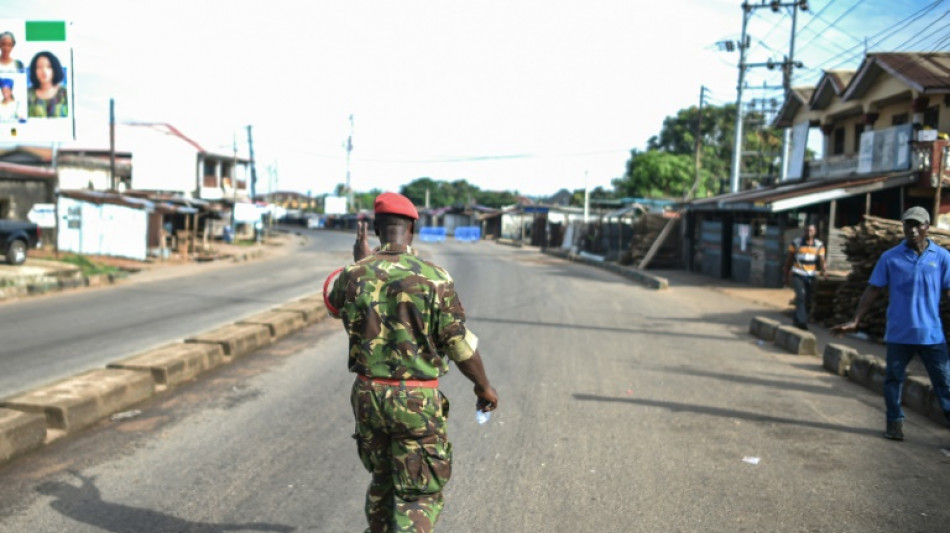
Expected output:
(404, 319)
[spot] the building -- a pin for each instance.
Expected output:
(883, 149)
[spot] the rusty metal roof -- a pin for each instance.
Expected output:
(833, 83)
(793, 194)
(797, 97)
(29, 171)
(925, 72)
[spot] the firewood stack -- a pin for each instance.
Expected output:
(645, 232)
(865, 244)
(823, 300)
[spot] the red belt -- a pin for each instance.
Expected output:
(430, 383)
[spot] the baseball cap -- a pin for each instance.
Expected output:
(916, 213)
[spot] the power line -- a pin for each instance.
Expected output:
(834, 24)
(901, 26)
(921, 37)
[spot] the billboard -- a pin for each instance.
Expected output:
(885, 150)
(334, 205)
(36, 80)
(796, 153)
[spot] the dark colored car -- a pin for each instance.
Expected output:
(16, 238)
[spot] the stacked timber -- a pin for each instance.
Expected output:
(646, 230)
(823, 300)
(864, 245)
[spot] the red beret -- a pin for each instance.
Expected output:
(390, 203)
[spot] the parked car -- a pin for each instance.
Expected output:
(16, 238)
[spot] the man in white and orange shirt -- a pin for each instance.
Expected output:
(806, 258)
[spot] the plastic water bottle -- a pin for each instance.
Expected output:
(482, 416)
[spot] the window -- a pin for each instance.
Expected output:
(5, 208)
(932, 116)
(898, 119)
(210, 168)
(838, 142)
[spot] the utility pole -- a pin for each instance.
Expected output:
(737, 142)
(787, 65)
(349, 148)
(250, 149)
(699, 144)
(112, 144)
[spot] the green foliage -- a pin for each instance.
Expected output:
(87, 267)
(458, 192)
(598, 193)
(667, 168)
(656, 174)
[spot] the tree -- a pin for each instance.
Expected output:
(597, 193)
(656, 173)
(667, 167)
(495, 199)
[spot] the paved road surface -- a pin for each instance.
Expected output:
(44, 339)
(622, 410)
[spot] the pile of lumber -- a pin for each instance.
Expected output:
(645, 231)
(823, 299)
(864, 245)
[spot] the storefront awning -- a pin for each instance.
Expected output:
(793, 195)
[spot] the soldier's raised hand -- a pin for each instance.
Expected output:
(361, 247)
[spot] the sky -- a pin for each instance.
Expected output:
(528, 96)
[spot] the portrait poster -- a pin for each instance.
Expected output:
(36, 75)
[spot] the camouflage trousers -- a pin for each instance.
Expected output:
(402, 442)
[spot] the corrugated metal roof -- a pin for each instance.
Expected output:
(27, 170)
(833, 83)
(100, 197)
(794, 194)
(927, 73)
(797, 97)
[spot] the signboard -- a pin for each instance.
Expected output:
(334, 205)
(43, 215)
(535, 209)
(37, 84)
(796, 152)
(885, 150)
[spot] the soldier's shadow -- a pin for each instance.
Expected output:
(84, 504)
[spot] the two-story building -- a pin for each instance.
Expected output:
(883, 149)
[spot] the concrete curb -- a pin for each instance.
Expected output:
(837, 358)
(80, 401)
(311, 308)
(175, 363)
(764, 328)
(20, 432)
(31, 419)
(796, 341)
(236, 339)
(280, 323)
(649, 280)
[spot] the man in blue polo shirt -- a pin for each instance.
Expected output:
(916, 273)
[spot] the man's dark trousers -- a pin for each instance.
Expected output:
(804, 287)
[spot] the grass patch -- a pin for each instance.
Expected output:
(88, 268)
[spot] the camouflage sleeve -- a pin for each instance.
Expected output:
(453, 338)
(337, 293)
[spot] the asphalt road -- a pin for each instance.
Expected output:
(51, 337)
(622, 410)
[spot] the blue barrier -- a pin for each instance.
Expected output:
(432, 234)
(468, 234)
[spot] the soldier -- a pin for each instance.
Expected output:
(404, 320)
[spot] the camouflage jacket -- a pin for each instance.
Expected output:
(402, 315)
